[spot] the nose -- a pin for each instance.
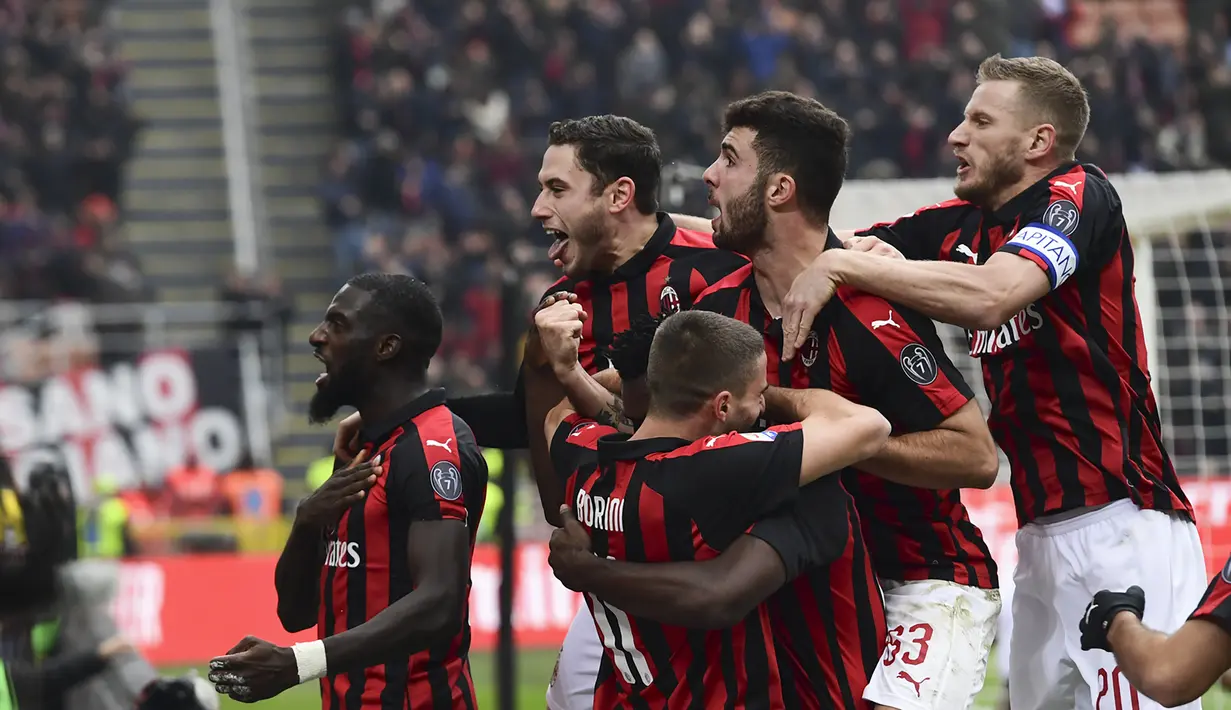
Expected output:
(539, 211)
(317, 337)
(959, 136)
(710, 176)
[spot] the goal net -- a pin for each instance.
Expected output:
(1181, 227)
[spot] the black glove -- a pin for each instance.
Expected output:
(1102, 609)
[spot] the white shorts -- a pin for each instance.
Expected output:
(572, 682)
(940, 635)
(1060, 565)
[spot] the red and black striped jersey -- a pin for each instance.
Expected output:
(889, 358)
(1215, 606)
(666, 276)
(829, 620)
(661, 500)
(1067, 377)
(433, 470)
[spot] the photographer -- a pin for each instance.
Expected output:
(37, 536)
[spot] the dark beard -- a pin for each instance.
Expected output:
(339, 391)
(1001, 174)
(589, 236)
(743, 223)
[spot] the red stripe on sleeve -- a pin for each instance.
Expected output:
(868, 309)
(439, 442)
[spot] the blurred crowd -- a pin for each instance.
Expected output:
(446, 105)
(65, 136)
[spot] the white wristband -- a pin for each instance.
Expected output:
(310, 660)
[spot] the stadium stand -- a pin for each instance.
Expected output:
(65, 138)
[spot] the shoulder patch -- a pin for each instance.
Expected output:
(761, 436)
(446, 480)
(580, 428)
(918, 363)
(1063, 215)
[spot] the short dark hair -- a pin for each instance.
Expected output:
(405, 306)
(630, 349)
(797, 136)
(696, 355)
(611, 147)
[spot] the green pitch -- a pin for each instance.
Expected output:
(534, 669)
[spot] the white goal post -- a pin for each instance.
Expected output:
(1181, 227)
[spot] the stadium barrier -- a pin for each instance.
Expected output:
(186, 609)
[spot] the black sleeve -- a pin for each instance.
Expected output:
(498, 419)
(920, 236)
(1078, 226)
(1215, 606)
(575, 444)
(436, 482)
(814, 531)
(894, 362)
(733, 480)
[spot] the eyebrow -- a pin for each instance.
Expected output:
(553, 182)
(730, 150)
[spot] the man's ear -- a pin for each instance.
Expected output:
(388, 346)
(780, 189)
(722, 406)
(1042, 142)
(620, 194)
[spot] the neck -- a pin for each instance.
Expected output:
(389, 396)
(1030, 176)
(690, 428)
(789, 249)
(631, 236)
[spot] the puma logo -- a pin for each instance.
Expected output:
(442, 444)
(1072, 186)
(965, 250)
(906, 677)
(888, 321)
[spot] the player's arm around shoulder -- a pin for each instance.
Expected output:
(896, 363)
(834, 432)
(712, 594)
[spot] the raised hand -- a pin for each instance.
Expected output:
(254, 670)
(344, 488)
(1096, 622)
(559, 329)
(570, 551)
(346, 441)
(808, 295)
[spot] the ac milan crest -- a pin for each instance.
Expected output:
(811, 350)
(669, 301)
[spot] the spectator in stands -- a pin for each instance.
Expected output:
(193, 490)
(65, 135)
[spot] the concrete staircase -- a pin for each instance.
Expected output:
(291, 52)
(178, 220)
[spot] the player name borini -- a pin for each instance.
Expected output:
(600, 512)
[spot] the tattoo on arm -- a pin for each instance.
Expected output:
(612, 415)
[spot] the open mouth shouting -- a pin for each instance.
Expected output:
(323, 378)
(559, 250)
(963, 166)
